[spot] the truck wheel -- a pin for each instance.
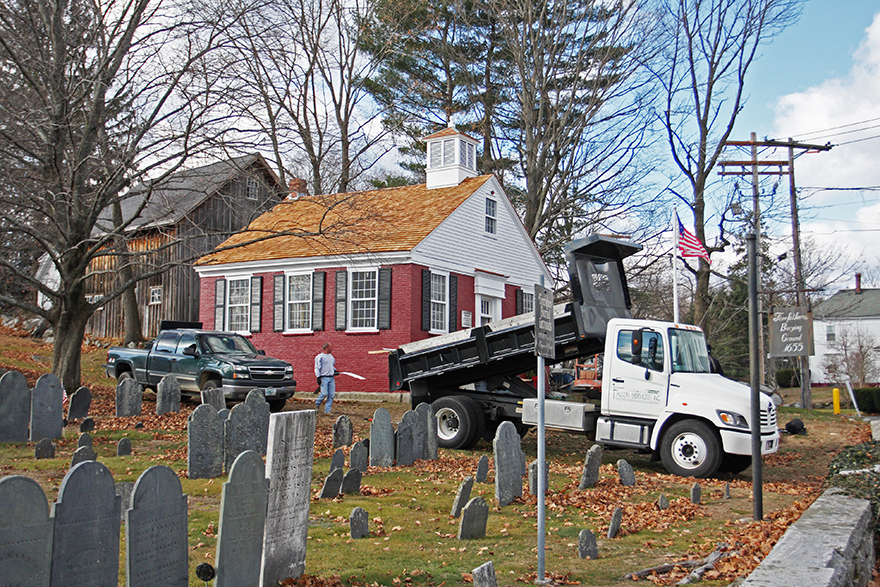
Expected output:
(123, 376)
(455, 424)
(477, 418)
(690, 449)
(735, 463)
(276, 405)
(211, 384)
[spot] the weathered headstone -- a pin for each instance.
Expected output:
(332, 485)
(242, 522)
(484, 575)
(508, 464)
(25, 533)
(124, 490)
(15, 407)
(342, 431)
(224, 414)
(359, 457)
(261, 411)
(696, 493)
(82, 454)
(482, 469)
(662, 503)
(47, 411)
(337, 461)
(87, 425)
(85, 439)
(408, 447)
(419, 429)
(213, 396)
(156, 549)
(45, 449)
(289, 468)
(167, 395)
(123, 447)
(474, 517)
(245, 428)
(590, 474)
(726, 492)
(533, 477)
(351, 482)
(462, 496)
(427, 416)
(626, 473)
(614, 526)
(381, 439)
(80, 403)
(204, 432)
(359, 523)
(85, 546)
(129, 398)
(587, 545)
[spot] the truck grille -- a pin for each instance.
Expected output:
(768, 417)
(267, 373)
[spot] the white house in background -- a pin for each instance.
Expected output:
(847, 314)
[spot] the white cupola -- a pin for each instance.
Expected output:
(452, 158)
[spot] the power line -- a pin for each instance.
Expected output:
(824, 130)
(858, 140)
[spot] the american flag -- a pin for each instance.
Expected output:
(689, 244)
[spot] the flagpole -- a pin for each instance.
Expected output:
(675, 268)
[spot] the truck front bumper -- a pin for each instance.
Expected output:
(740, 443)
(233, 389)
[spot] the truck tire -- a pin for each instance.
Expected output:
(735, 463)
(455, 422)
(690, 448)
(123, 376)
(477, 418)
(211, 384)
(276, 405)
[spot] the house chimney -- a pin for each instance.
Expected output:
(858, 283)
(298, 188)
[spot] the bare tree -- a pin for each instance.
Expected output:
(853, 355)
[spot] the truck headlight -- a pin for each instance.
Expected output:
(288, 371)
(240, 372)
(732, 419)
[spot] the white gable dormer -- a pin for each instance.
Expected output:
(452, 158)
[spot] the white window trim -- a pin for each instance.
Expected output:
(288, 302)
(349, 300)
(487, 217)
(445, 329)
(494, 309)
(251, 188)
(228, 306)
(528, 301)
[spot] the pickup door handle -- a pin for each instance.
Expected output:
(616, 380)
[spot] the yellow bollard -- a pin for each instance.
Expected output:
(836, 394)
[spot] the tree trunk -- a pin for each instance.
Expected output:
(67, 353)
(133, 330)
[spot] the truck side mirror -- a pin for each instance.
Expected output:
(637, 343)
(190, 351)
(261, 352)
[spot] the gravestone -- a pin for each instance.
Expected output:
(626, 473)
(261, 411)
(167, 395)
(338, 460)
(242, 522)
(289, 468)
(408, 446)
(213, 396)
(129, 398)
(45, 449)
(418, 431)
(533, 477)
(462, 496)
(508, 464)
(82, 454)
(359, 457)
(15, 407)
(359, 523)
(156, 549)
(342, 431)
(85, 546)
(662, 503)
(25, 533)
(590, 474)
(85, 439)
(614, 526)
(473, 519)
(80, 403)
(482, 469)
(245, 429)
(87, 425)
(696, 493)
(204, 433)
(123, 447)
(726, 492)
(381, 439)
(332, 485)
(351, 482)
(587, 545)
(124, 490)
(430, 423)
(47, 411)
(484, 575)
(224, 414)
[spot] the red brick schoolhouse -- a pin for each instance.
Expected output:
(369, 271)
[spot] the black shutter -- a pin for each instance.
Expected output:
(219, 303)
(318, 300)
(453, 303)
(341, 302)
(519, 302)
(278, 304)
(426, 299)
(384, 310)
(256, 303)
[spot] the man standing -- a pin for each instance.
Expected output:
(325, 371)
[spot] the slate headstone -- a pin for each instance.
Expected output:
(359, 523)
(351, 482)
(85, 546)
(419, 430)
(696, 493)
(626, 473)
(662, 503)
(25, 533)
(332, 485)
(427, 415)
(590, 474)
(15, 407)
(47, 411)
(726, 492)
(289, 468)
(82, 454)
(462, 496)
(587, 545)
(224, 414)
(381, 439)
(167, 395)
(482, 469)
(474, 517)
(508, 464)
(614, 526)
(156, 549)
(213, 396)
(204, 433)
(244, 429)
(124, 490)
(342, 431)
(533, 477)
(338, 460)
(87, 425)
(359, 457)
(45, 449)
(484, 575)
(242, 522)
(85, 439)
(123, 447)
(129, 398)
(408, 446)
(80, 403)
(262, 411)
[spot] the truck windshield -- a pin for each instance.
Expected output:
(226, 344)
(688, 348)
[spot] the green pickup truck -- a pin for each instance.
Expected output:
(203, 359)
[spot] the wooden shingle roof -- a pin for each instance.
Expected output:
(376, 221)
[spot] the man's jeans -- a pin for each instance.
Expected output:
(328, 392)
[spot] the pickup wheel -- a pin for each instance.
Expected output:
(123, 376)
(211, 384)
(455, 421)
(690, 448)
(276, 405)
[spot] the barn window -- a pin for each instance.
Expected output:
(155, 295)
(253, 188)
